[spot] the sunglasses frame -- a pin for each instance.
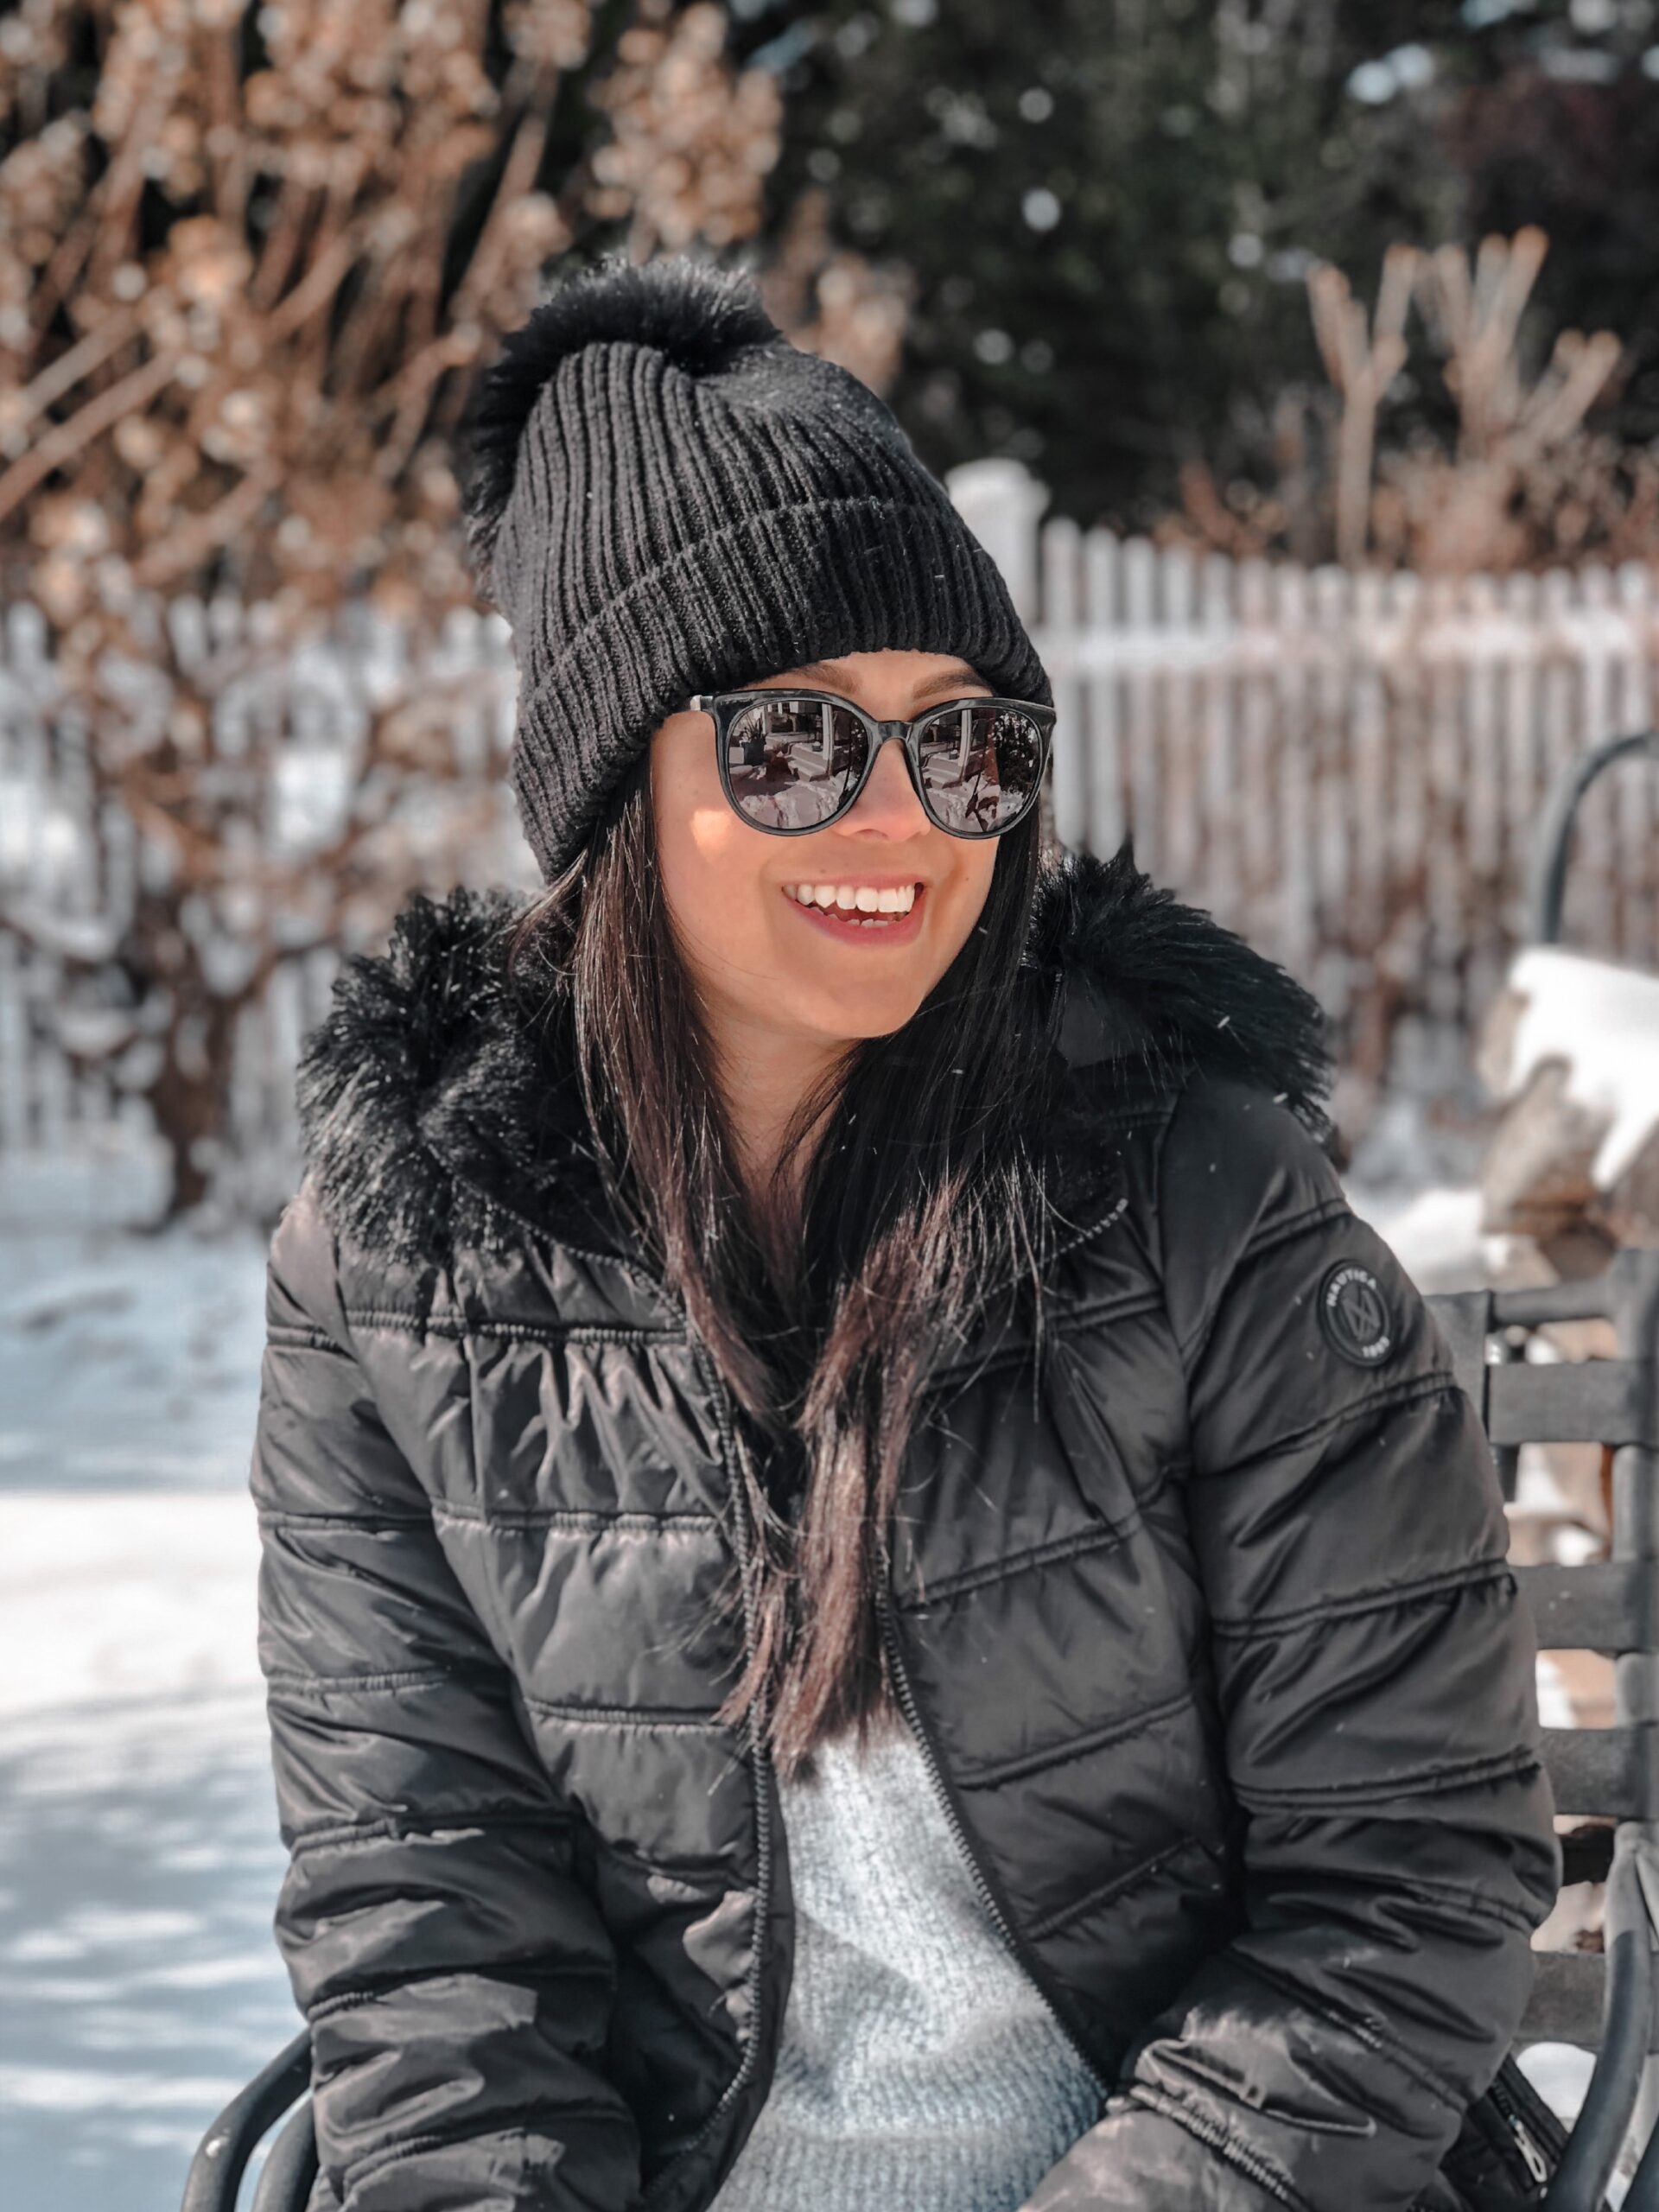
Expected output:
(724, 706)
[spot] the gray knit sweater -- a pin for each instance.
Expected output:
(919, 2067)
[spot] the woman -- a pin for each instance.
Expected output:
(874, 1594)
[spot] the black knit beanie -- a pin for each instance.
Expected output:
(667, 496)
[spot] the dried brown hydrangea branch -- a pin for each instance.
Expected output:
(249, 259)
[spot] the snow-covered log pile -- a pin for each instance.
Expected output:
(1571, 1052)
(1572, 1049)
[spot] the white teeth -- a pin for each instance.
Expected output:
(853, 898)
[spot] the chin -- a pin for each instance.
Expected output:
(855, 1020)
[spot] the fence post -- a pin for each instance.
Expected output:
(1061, 559)
(1000, 500)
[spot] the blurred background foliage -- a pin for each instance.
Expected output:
(249, 259)
(1352, 279)
(249, 255)
(1106, 210)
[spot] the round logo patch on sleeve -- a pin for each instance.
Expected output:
(1356, 1315)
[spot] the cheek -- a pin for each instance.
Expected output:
(977, 866)
(959, 897)
(706, 857)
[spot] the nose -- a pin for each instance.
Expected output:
(888, 807)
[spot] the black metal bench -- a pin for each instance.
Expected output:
(1601, 2002)
(224, 2154)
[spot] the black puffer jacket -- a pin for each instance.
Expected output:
(1210, 1638)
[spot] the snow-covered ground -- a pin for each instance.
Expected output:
(128, 1362)
(139, 1985)
(1435, 1234)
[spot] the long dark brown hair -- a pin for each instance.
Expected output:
(921, 1187)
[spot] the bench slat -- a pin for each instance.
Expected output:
(1565, 2002)
(1585, 1402)
(1613, 1772)
(1608, 1605)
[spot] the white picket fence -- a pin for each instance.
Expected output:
(1347, 768)
(76, 1138)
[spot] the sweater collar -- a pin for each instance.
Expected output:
(434, 1116)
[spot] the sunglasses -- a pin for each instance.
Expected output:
(793, 761)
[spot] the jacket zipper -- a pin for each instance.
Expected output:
(995, 1908)
(1526, 2143)
(1229, 2153)
(760, 1770)
(1536, 2164)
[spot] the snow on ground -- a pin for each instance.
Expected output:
(128, 1362)
(1435, 1234)
(110, 1603)
(139, 1860)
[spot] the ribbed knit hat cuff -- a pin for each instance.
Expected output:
(791, 584)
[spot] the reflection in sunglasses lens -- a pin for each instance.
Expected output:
(981, 766)
(792, 762)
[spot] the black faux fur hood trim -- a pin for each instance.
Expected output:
(1153, 982)
(435, 1117)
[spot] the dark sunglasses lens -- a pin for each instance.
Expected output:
(792, 762)
(981, 767)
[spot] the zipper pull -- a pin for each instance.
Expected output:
(1538, 2165)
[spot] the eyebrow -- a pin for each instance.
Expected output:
(947, 681)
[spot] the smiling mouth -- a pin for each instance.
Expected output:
(862, 906)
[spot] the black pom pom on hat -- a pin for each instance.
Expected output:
(666, 496)
(698, 318)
